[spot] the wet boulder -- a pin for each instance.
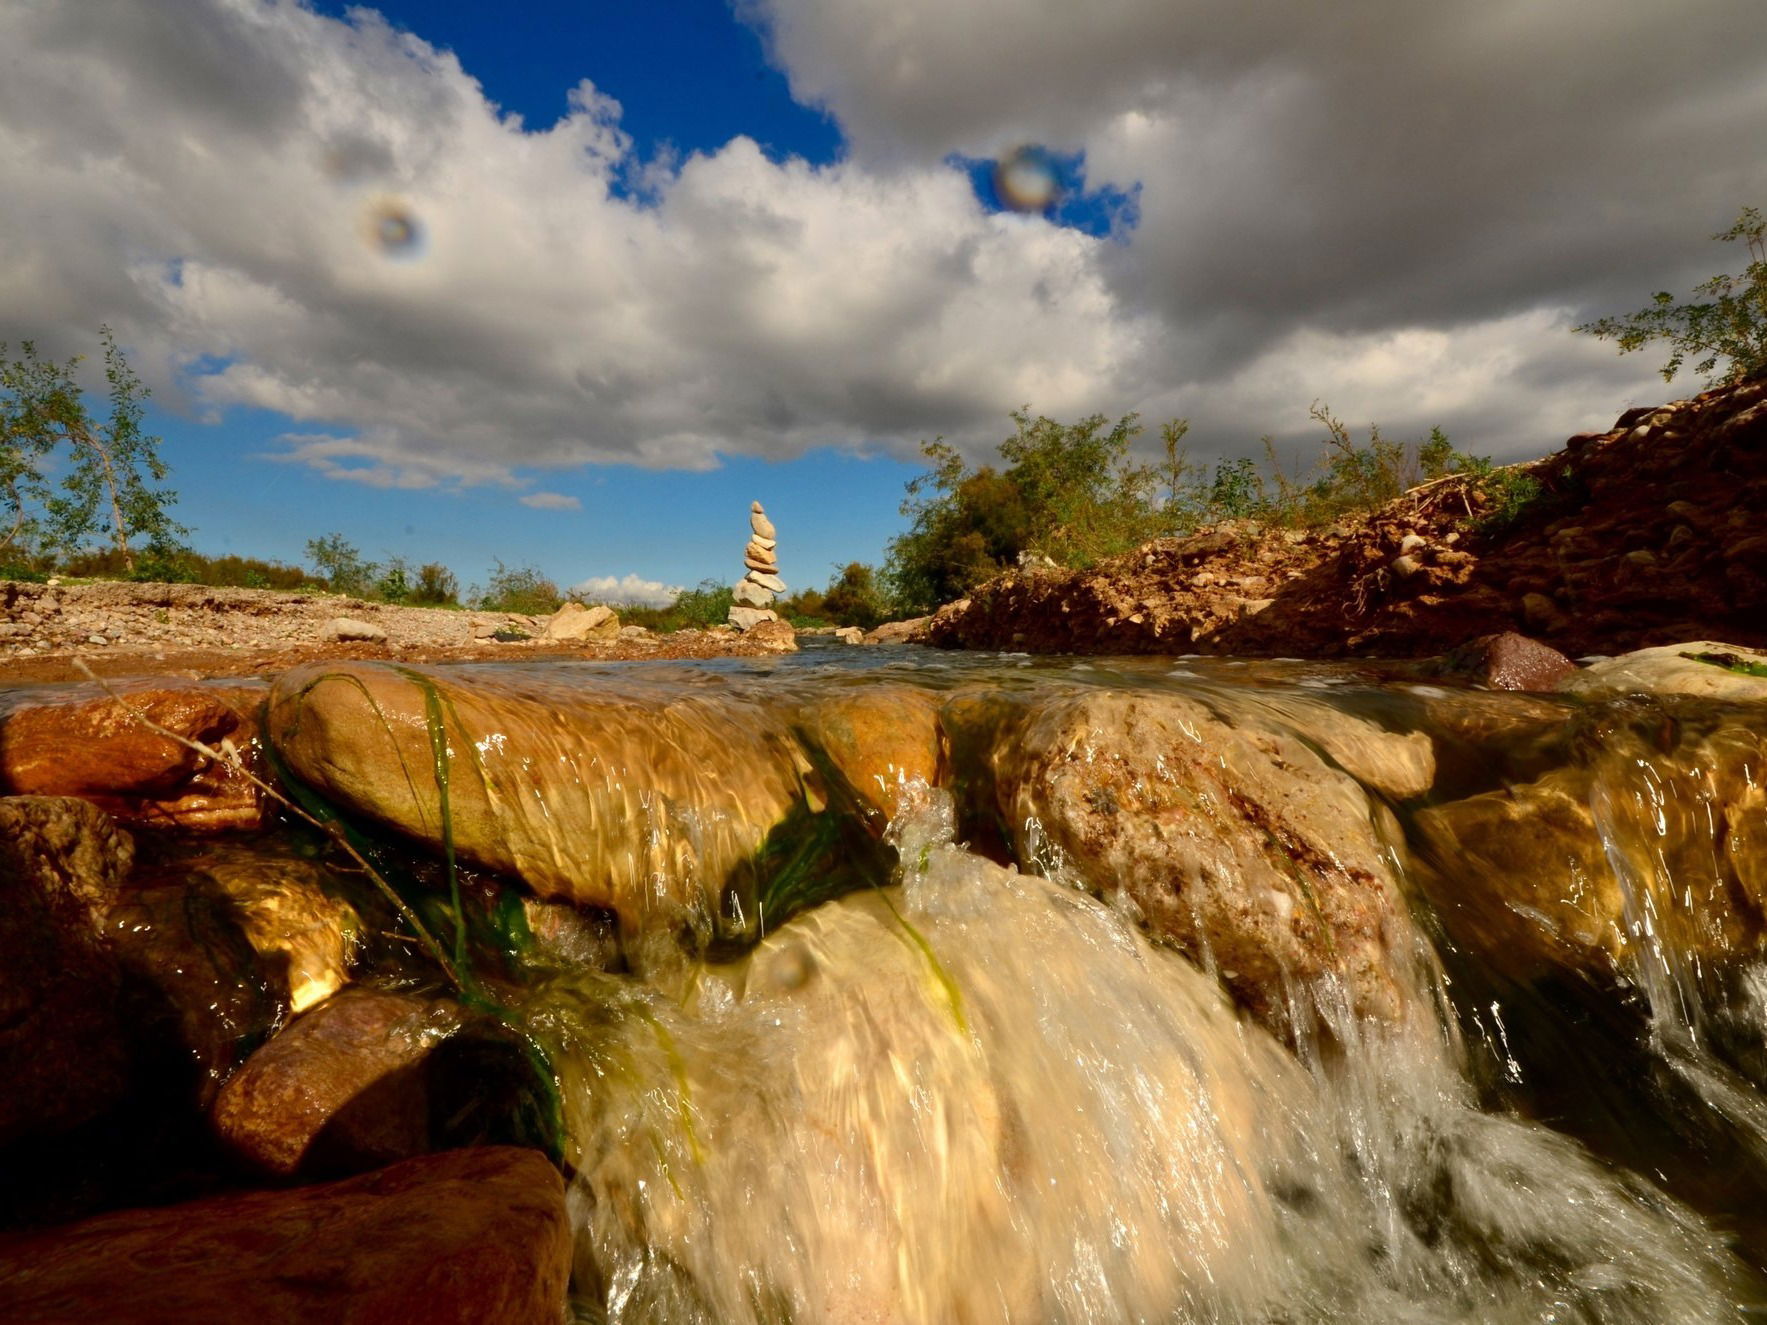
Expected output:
(650, 802)
(1703, 670)
(340, 1089)
(63, 1039)
(1236, 841)
(883, 740)
(479, 1237)
(1507, 661)
(221, 948)
(97, 746)
(1655, 834)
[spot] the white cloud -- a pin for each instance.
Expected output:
(1395, 207)
(624, 589)
(551, 501)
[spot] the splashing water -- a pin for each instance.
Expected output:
(980, 1096)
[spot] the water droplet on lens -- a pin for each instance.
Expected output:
(1027, 179)
(393, 228)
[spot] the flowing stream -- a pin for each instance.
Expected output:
(991, 1040)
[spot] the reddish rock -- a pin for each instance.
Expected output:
(63, 1046)
(477, 1237)
(1508, 662)
(94, 747)
(339, 1090)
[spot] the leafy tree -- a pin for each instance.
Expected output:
(112, 464)
(854, 598)
(1726, 320)
(521, 589)
(436, 586)
(341, 564)
(1065, 491)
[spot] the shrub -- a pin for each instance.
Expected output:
(435, 587)
(519, 589)
(854, 598)
(340, 564)
(1728, 324)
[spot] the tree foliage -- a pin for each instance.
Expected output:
(854, 598)
(1725, 322)
(111, 466)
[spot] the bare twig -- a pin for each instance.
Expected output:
(229, 756)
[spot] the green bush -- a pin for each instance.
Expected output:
(854, 598)
(520, 589)
(1728, 324)
(340, 565)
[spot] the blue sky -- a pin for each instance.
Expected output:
(570, 284)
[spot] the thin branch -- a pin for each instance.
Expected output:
(229, 756)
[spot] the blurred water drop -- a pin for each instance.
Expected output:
(392, 227)
(1027, 179)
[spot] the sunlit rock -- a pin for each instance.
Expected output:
(470, 1237)
(1702, 669)
(1650, 847)
(574, 621)
(1235, 841)
(883, 739)
(63, 1038)
(230, 943)
(340, 1089)
(97, 746)
(650, 801)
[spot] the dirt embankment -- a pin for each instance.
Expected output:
(1653, 532)
(121, 629)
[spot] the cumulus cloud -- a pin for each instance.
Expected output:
(327, 219)
(551, 501)
(1395, 204)
(621, 590)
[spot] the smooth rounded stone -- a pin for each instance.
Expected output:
(348, 630)
(759, 551)
(473, 1237)
(746, 593)
(761, 565)
(746, 619)
(63, 1041)
(775, 636)
(575, 621)
(230, 943)
(764, 544)
(766, 580)
(338, 1090)
(761, 526)
(1507, 661)
(1637, 844)
(78, 743)
(1677, 669)
(1237, 843)
(850, 634)
(649, 801)
(884, 741)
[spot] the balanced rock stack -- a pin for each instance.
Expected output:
(755, 591)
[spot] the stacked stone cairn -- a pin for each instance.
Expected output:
(755, 592)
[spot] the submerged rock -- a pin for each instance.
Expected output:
(93, 746)
(340, 1089)
(884, 741)
(1233, 840)
(63, 1037)
(478, 1237)
(651, 804)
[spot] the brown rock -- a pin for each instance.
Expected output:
(477, 1237)
(764, 565)
(1240, 845)
(339, 1089)
(775, 636)
(574, 621)
(94, 747)
(911, 631)
(608, 797)
(63, 1045)
(1508, 661)
(760, 525)
(883, 739)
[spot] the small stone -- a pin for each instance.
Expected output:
(761, 525)
(754, 508)
(1684, 510)
(850, 635)
(766, 581)
(761, 565)
(1406, 567)
(574, 621)
(96, 639)
(1681, 536)
(1508, 662)
(765, 544)
(343, 630)
(1641, 557)
(775, 636)
(1411, 543)
(749, 594)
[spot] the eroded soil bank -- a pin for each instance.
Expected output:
(1652, 532)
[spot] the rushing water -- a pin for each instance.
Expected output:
(952, 1078)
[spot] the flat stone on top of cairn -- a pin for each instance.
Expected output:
(754, 593)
